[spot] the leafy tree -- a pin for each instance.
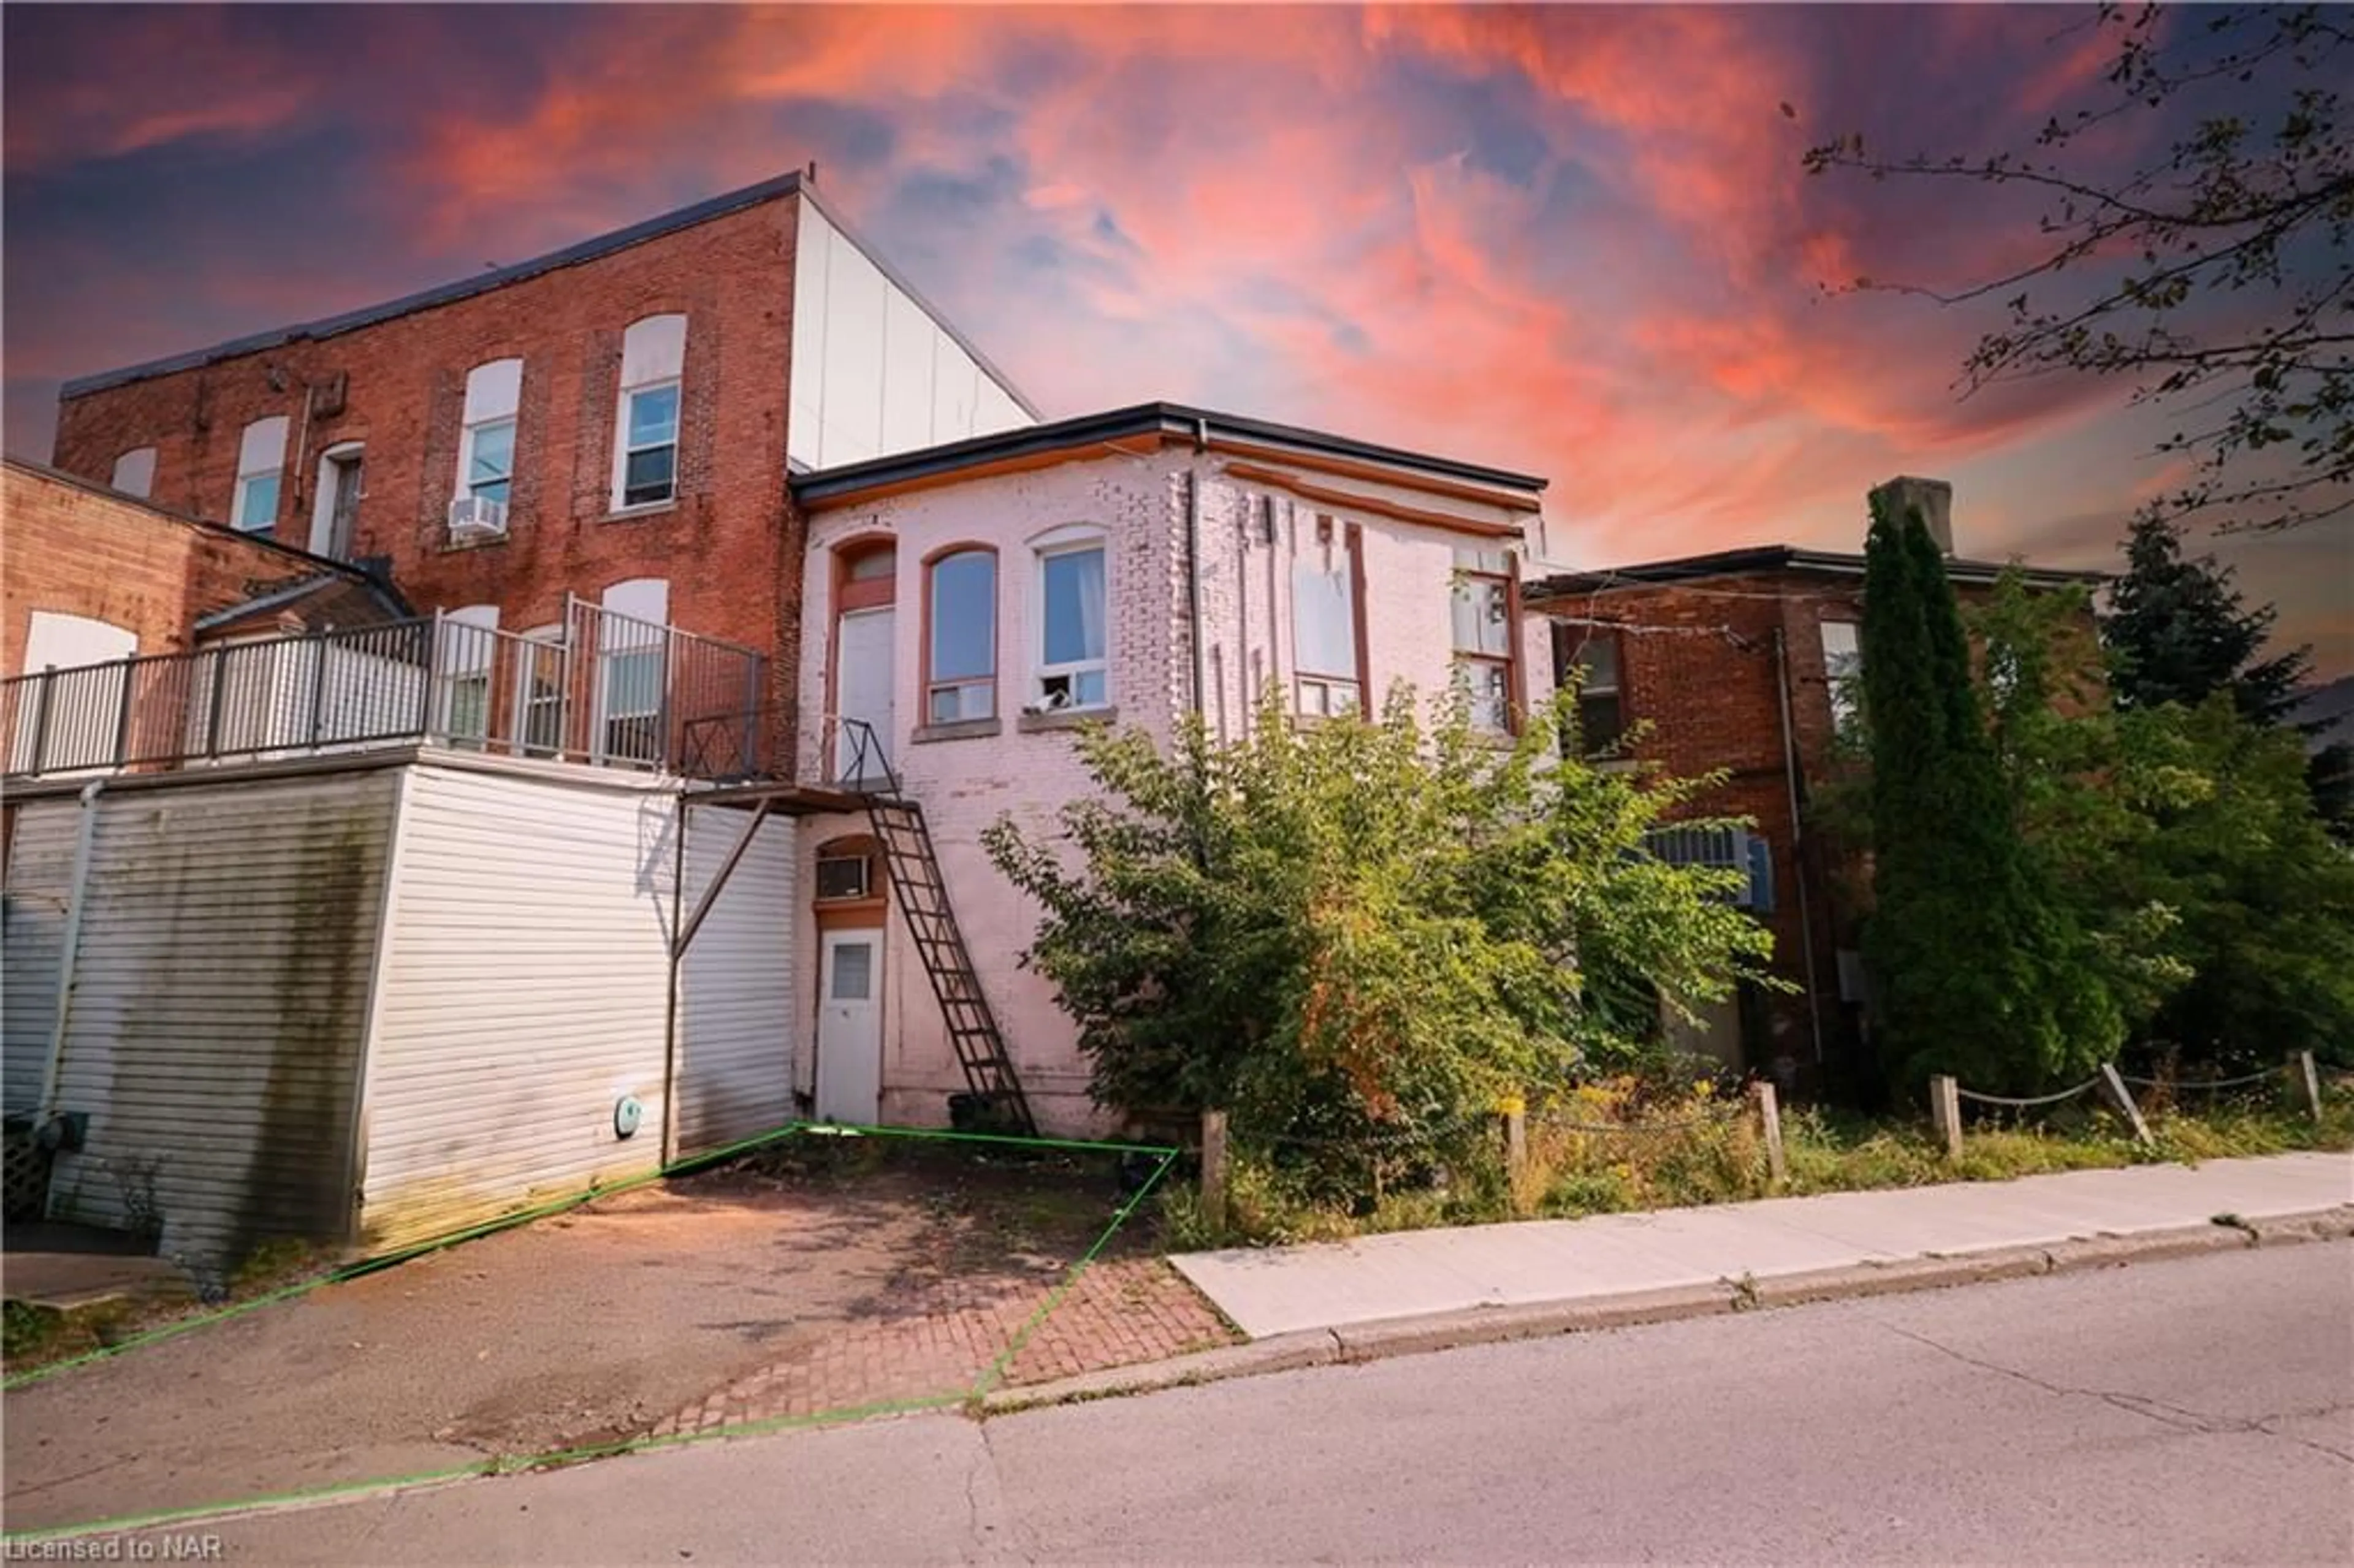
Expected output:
(2180, 631)
(1978, 971)
(2185, 843)
(1359, 933)
(2216, 273)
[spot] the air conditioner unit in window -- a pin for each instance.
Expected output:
(477, 517)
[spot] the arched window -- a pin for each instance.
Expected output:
(260, 458)
(960, 635)
(134, 472)
(632, 639)
(486, 452)
(645, 435)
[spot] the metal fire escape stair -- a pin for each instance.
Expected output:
(923, 898)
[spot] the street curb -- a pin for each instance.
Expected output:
(1362, 1342)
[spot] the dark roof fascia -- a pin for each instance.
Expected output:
(284, 595)
(450, 293)
(1768, 558)
(388, 591)
(899, 281)
(1174, 419)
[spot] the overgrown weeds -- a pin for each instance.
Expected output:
(1631, 1144)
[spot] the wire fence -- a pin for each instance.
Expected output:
(2267, 1075)
(2028, 1102)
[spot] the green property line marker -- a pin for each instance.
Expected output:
(372, 1265)
(495, 1464)
(943, 1135)
(556, 1206)
(996, 1369)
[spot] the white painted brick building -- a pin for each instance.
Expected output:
(1331, 568)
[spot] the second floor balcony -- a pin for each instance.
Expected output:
(605, 689)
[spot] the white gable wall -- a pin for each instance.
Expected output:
(872, 372)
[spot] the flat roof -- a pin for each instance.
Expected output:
(590, 249)
(1755, 558)
(1159, 420)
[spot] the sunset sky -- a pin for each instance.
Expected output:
(1571, 241)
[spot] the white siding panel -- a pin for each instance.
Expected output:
(32, 933)
(735, 986)
(956, 384)
(219, 1004)
(524, 992)
(858, 297)
(874, 371)
(812, 252)
(908, 335)
(996, 410)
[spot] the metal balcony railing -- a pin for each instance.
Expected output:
(602, 689)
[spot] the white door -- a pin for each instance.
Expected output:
(863, 691)
(850, 1026)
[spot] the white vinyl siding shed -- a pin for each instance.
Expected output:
(374, 1004)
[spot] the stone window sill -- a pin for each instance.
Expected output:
(963, 729)
(648, 509)
(487, 542)
(1065, 719)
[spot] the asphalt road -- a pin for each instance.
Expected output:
(2195, 1411)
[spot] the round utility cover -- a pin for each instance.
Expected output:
(627, 1114)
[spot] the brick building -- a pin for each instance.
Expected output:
(1737, 663)
(89, 574)
(615, 420)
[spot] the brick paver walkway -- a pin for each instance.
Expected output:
(1118, 1314)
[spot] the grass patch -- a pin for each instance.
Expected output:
(1622, 1146)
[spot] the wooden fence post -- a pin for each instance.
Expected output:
(1213, 1169)
(2301, 1074)
(1945, 1110)
(2123, 1096)
(1769, 1123)
(1515, 1120)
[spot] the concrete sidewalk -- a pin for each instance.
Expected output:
(1415, 1274)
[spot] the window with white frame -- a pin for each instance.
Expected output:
(134, 472)
(960, 651)
(1843, 670)
(486, 452)
(1326, 651)
(261, 460)
(1073, 650)
(1482, 627)
(539, 690)
(633, 642)
(645, 433)
(466, 649)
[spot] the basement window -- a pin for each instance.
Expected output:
(845, 876)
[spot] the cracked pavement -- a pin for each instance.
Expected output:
(2192, 1411)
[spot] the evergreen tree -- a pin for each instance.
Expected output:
(2180, 631)
(1976, 973)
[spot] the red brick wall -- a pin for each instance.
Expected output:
(731, 544)
(1698, 664)
(76, 551)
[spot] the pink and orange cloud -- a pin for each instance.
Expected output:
(1572, 240)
